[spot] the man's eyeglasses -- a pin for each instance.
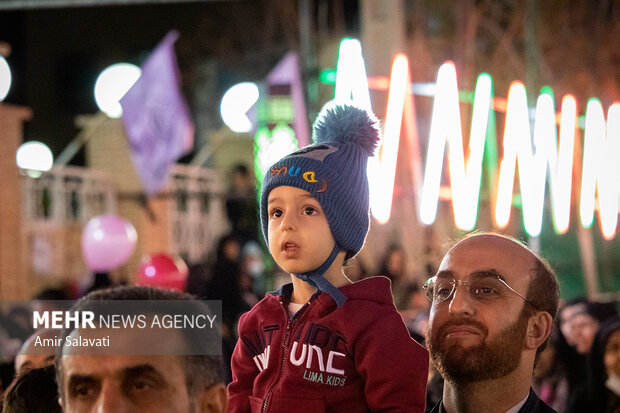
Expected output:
(481, 287)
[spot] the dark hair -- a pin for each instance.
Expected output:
(393, 248)
(56, 294)
(201, 371)
(34, 392)
(543, 292)
(599, 311)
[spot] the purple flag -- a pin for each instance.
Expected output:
(156, 117)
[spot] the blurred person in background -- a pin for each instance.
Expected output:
(34, 391)
(32, 355)
(565, 317)
(585, 323)
(550, 380)
(224, 282)
(573, 363)
(241, 204)
(394, 266)
(252, 281)
(416, 311)
(602, 391)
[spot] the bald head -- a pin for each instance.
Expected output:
(495, 248)
(34, 354)
(499, 246)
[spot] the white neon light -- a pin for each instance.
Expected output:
(351, 79)
(516, 118)
(600, 168)
(446, 126)
(561, 164)
(533, 167)
(382, 167)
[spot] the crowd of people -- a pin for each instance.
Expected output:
(487, 332)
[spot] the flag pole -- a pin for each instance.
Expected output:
(90, 129)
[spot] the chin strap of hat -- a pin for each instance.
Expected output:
(316, 279)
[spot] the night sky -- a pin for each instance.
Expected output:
(58, 53)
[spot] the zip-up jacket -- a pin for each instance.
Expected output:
(356, 358)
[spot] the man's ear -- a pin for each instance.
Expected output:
(214, 399)
(538, 329)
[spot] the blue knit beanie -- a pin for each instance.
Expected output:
(333, 171)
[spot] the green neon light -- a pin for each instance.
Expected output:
(328, 76)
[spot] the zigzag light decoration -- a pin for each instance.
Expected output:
(601, 170)
(533, 167)
(600, 175)
(446, 126)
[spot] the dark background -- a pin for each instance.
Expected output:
(57, 54)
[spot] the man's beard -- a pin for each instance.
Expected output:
(486, 361)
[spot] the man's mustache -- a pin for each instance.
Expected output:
(456, 322)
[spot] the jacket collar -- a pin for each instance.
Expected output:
(377, 289)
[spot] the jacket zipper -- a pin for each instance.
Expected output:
(285, 346)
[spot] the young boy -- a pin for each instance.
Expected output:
(323, 343)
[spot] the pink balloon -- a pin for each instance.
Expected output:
(107, 242)
(163, 271)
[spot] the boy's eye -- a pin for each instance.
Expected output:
(310, 210)
(275, 213)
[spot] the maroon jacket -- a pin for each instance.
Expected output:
(356, 358)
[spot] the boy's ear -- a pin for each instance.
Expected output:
(214, 399)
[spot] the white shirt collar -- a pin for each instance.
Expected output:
(514, 408)
(518, 406)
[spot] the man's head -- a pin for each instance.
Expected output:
(34, 391)
(566, 314)
(153, 383)
(34, 355)
(493, 307)
(585, 322)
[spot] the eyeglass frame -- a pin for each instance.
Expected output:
(482, 274)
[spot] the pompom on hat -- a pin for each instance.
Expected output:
(333, 171)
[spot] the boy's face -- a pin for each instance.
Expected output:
(300, 239)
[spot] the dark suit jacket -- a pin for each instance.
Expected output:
(532, 405)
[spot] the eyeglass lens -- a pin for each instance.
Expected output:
(441, 289)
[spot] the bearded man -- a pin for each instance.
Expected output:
(493, 306)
